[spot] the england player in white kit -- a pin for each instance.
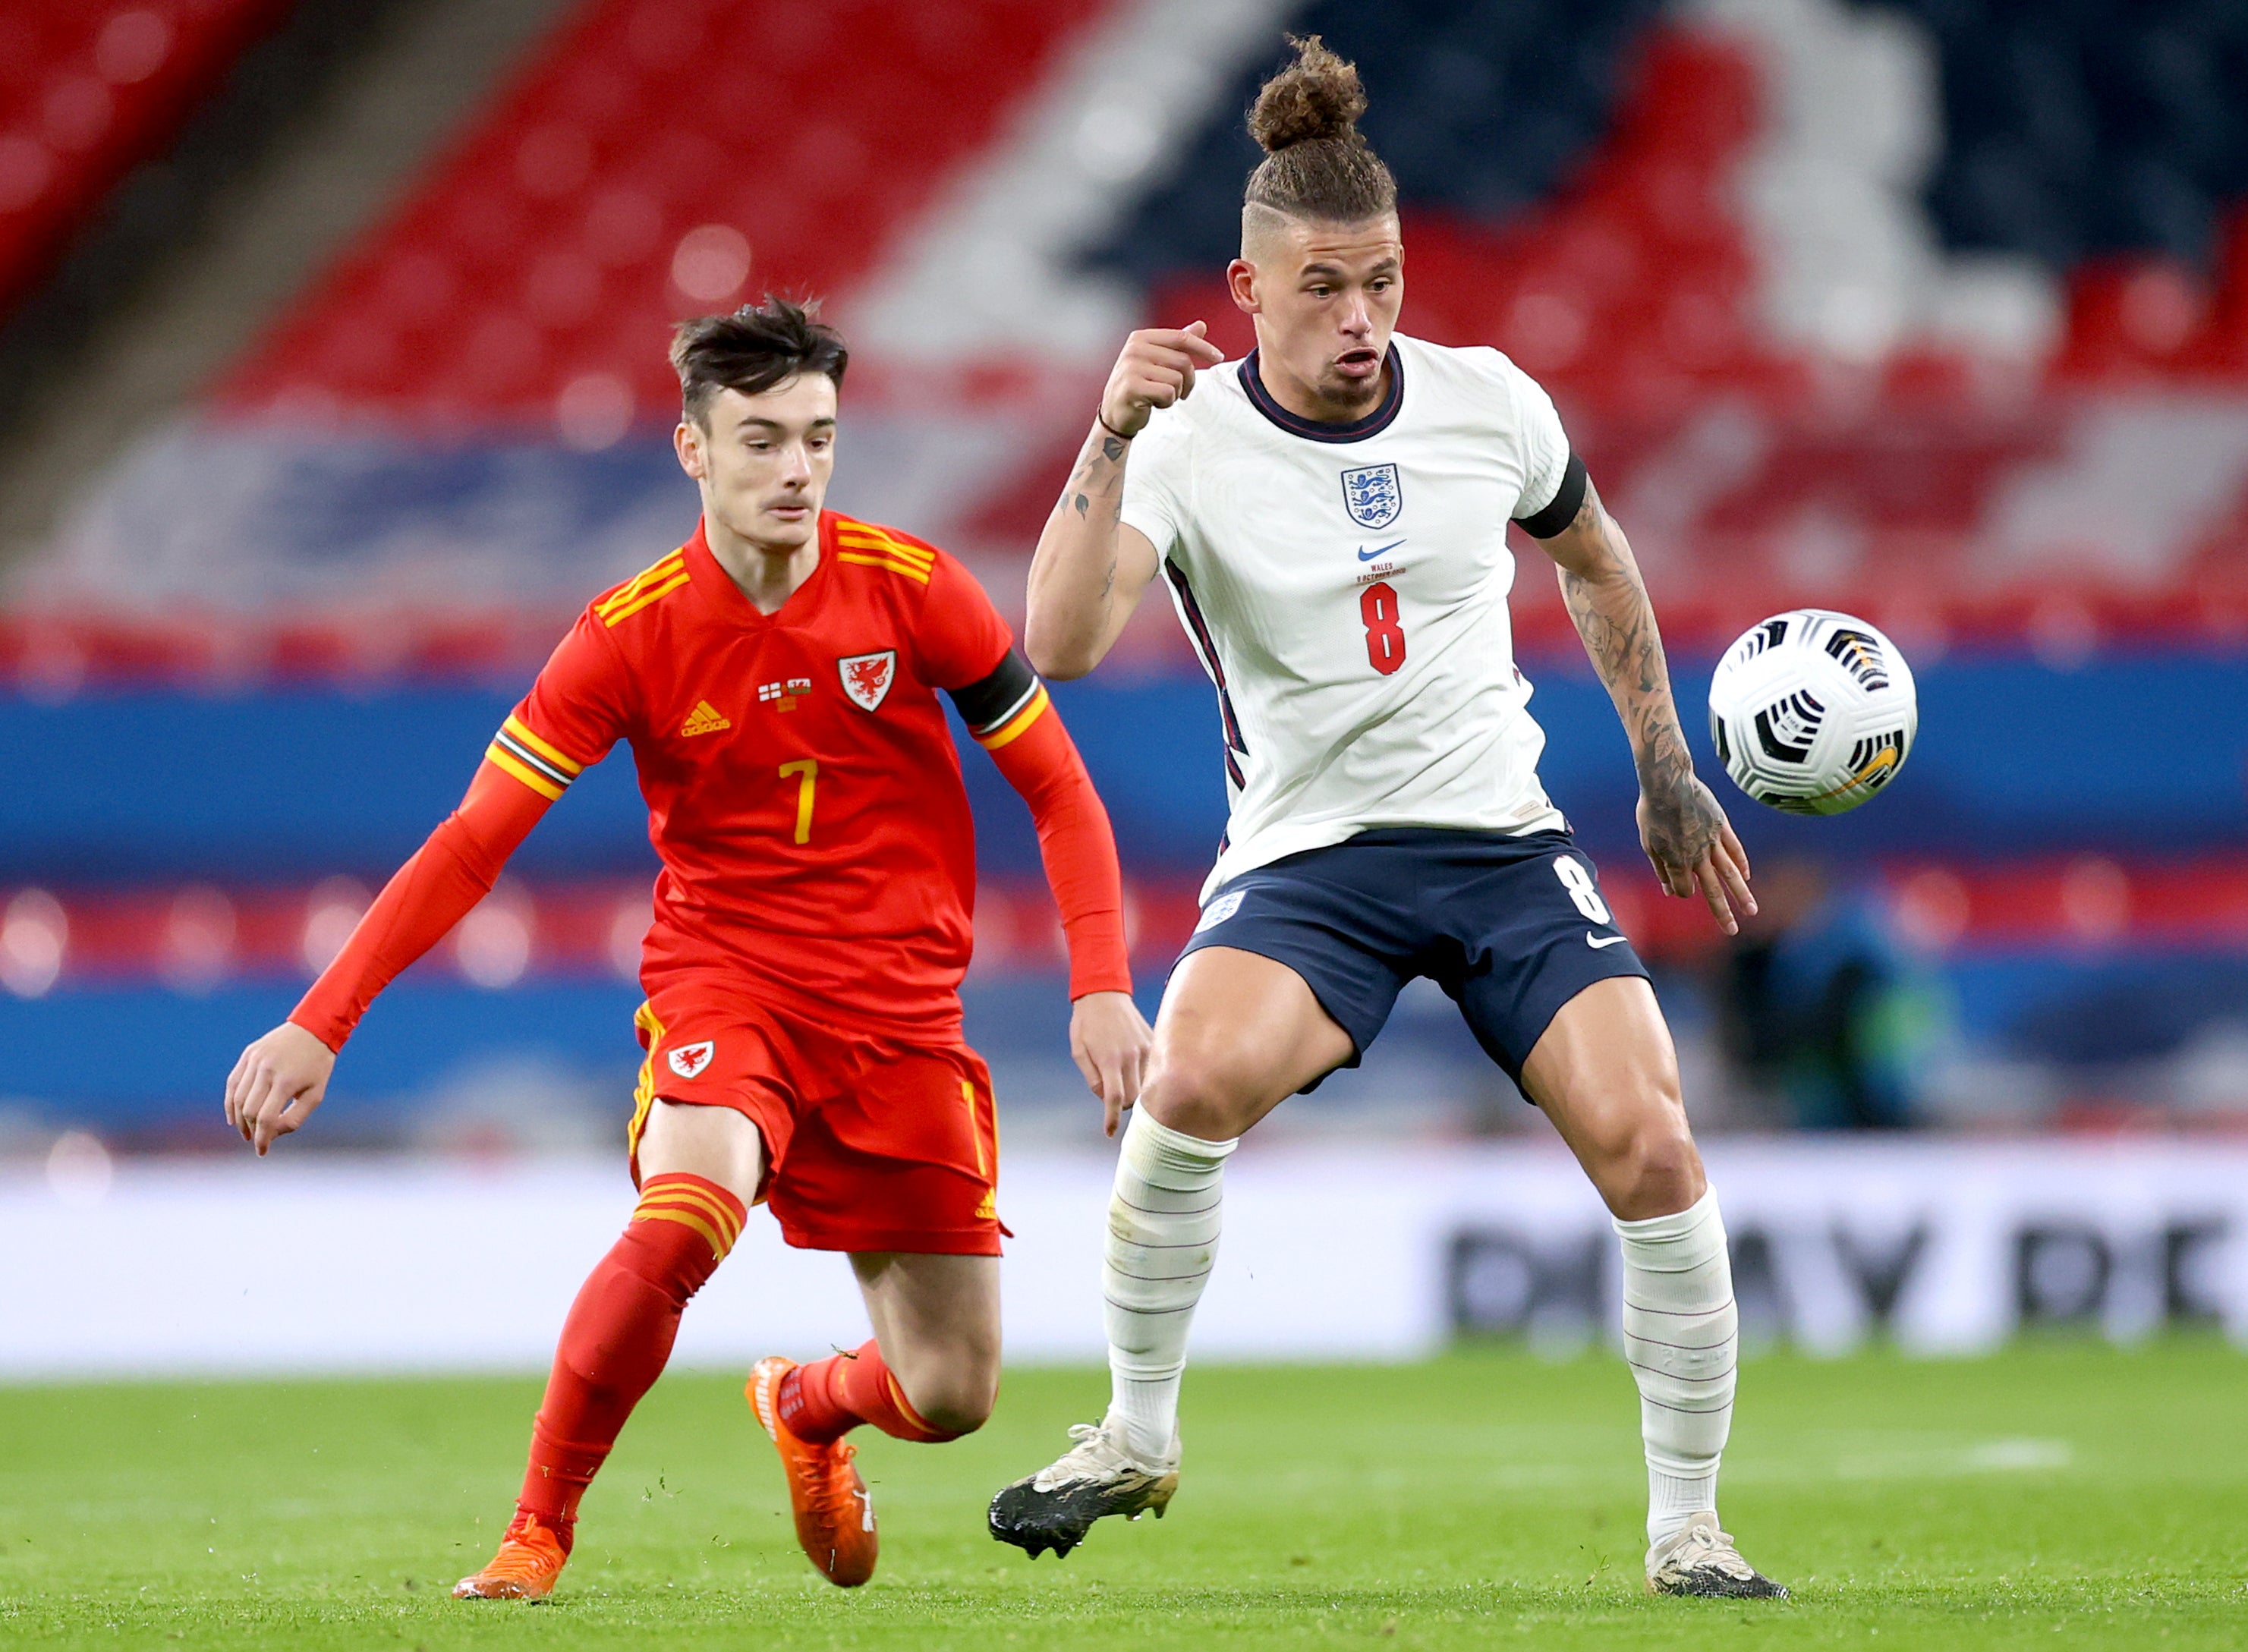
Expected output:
(1329, 517)
(1358, 577)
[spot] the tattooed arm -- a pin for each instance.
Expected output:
(1090, 569)
(1680, 825)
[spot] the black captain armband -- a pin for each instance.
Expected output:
(988, 705)
(1544, 524)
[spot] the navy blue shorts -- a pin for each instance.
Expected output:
(1511, 928)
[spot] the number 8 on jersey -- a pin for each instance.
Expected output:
(1385, 637)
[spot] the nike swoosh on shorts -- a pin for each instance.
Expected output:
(1613, 941)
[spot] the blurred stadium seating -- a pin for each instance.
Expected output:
(1937, 312)
(86, 93)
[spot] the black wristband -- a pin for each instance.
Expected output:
(1101, 420)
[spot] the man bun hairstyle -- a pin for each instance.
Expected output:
(759, 346)
(1316, 165)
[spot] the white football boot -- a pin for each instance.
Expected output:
(1702, 1560)
(1097, 1477)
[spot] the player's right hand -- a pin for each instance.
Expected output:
(1109, 1038)
(276, 1085)
(1157, 367)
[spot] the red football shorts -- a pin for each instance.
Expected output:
(870, 1144)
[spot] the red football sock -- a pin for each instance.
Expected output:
(620, 1333)
(827, 1398)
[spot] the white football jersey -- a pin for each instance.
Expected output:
(1346, 588)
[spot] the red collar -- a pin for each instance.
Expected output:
(727, 600)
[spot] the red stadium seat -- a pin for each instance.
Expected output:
(88, 91)
(659, 158)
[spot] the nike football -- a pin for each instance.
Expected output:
(1812, 712)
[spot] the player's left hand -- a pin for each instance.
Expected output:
(1109, 1038)
(1686, 835)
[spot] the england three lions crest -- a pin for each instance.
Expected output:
(1372, 496)
(866, 677)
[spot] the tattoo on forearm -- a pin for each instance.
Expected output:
(1609, 606)
(1095, 498)
(1098, 478)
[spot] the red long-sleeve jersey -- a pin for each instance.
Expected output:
(804, 794)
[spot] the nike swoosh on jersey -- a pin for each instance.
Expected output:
(1368, 556)
(1597, 944)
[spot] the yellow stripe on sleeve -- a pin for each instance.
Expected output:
(1012, 729)
(871, 530)
(652, 593)
(500, 758)
(861, 538)
(663, 570)
(875, 539)
(521, 730)
(906, 569)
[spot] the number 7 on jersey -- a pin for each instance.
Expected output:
(807, 772)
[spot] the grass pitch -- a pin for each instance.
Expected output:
(2061, 1495)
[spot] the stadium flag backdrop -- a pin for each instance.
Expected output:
(1947, 1247)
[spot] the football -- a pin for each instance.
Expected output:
(1812, 712)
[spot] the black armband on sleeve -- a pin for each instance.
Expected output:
(986, 704)
(1544, 524)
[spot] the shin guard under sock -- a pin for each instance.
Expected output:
(1162, 1243)
(1680, 1332)
(620, 1333)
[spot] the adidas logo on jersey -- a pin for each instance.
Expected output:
(704, 719)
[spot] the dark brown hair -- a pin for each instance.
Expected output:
(1316, 165)
(757, 347)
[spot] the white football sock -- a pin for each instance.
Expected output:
(1680, 1333)
(1162, 1241)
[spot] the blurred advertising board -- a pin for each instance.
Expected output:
(1331, 1250)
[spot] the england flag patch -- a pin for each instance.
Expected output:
(1372, 496)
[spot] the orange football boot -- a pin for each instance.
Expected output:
(528, 1560)
(834, 1515)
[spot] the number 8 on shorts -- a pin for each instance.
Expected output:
(1579, 882)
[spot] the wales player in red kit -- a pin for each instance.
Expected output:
(776, 678)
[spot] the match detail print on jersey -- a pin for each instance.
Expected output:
(516, 750)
